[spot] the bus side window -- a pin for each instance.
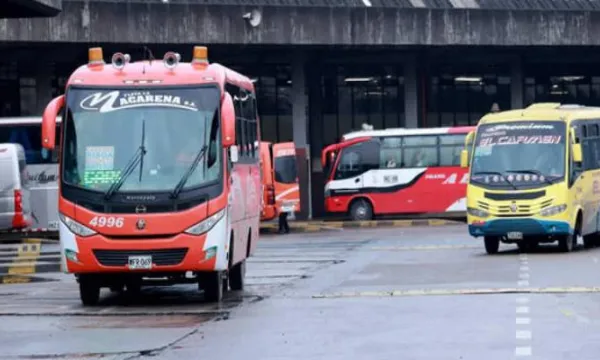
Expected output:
(420, 151)
(450, 148)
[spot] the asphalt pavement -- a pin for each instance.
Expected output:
(386, 293)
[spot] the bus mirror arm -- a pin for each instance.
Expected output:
(49, 122)
(228, 121)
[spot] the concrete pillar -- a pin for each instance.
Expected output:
(516, 83)
(300, 132)
(411, 93)
(43, 89)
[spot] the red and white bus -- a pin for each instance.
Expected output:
(159, 173)
(396, 171)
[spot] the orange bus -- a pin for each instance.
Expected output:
(159, 176)
(281, 190)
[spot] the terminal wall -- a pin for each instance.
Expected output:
(211, 24)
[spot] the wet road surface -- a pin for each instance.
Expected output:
(403, 293)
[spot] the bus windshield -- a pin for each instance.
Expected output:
(105, 129)
(285, 169)
(519, 153)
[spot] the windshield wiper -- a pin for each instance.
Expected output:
(534, 172)
(496, 173)
(189, 172)
(137, 158)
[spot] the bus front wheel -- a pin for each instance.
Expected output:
(566, 243)
(361, 210)
(492, 243)
(89, 291)
(212, 284)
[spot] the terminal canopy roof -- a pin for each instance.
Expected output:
(29, 8)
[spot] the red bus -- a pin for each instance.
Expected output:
(396, 171)
(159, 175)
(280, 179)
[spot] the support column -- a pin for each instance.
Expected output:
(516, 83)
(411, 93)
(43, 89)
(300, 132)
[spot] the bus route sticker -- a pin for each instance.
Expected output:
(99, 158)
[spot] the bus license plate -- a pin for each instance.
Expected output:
(140, 262)
(514, 235)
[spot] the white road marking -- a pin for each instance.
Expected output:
(522, 309)
(523, 321)
(523, 283)
(522, 300)
(524, 268)
(523, 351)
(523, 275)
(523, 334)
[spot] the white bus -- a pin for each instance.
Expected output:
(42, 168)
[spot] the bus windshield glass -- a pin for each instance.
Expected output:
(156, 132)
(285, 169)
(516, 154)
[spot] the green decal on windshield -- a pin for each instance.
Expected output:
(99, 158)
(98, 177)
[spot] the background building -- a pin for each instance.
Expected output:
(324, 67)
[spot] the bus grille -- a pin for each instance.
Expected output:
(160, 257)
(505, 210)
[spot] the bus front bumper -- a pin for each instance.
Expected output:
(526, 226)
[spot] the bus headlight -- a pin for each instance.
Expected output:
(206, 224)
(553, 210)
(75, 227)
(477, 212)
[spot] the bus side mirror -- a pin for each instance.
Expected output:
(49, 122)
(577, 155)
(228, 121)
(464, 159)
(233, 153)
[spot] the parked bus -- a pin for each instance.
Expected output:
(15, 207)
(159, 175)
(530, 180)
(281, 190)
(396, 171)
(42, 170)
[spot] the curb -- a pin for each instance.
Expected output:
(318, 226)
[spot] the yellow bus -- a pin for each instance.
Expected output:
(534, 177)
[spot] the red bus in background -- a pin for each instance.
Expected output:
(281, 190)
(396, 171)
(159, 176)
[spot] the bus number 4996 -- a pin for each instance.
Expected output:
(103, 221)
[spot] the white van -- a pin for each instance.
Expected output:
(15, 208)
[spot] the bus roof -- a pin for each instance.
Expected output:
(407, 132)
(155, 74)
(543, 112)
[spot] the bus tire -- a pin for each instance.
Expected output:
(89, 291)
(566, 242)
(590, 240)
(361, 210)
(492, 243)
(212, 283)
(236, 276)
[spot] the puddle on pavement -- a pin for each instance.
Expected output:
(141, 322)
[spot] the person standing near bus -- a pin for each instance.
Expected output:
(284, 227)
